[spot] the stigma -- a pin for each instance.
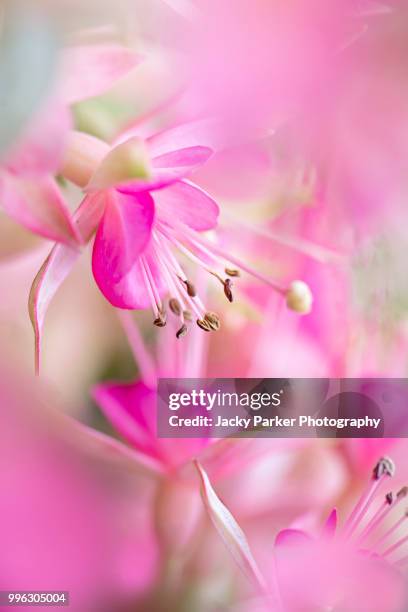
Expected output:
(173, 241)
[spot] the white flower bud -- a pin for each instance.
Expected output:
(299, 297)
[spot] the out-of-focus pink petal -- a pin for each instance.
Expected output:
(189, 135)
(188, 157)
(122, 236)
(188, 204)
(57, 266)
(75, 535)
(330, 525)
(41, 147)
(39, 206)
(117, 451)
(229, 530)
(89, 70)
(130, 409)
(288, 538)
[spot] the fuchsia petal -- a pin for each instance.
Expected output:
(330, 525)
(122, 236)
(129, 291)
(90, 70)
(288, 538)
(39, 206)
(57, 266)
(229, 530)
(130, 408)
(188, 204)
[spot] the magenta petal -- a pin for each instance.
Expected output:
(39, 206)
(90, 70)
(188, 204)
(122, 235)
(330, 525)
(129, 291)
(131, 409)
(288, 538)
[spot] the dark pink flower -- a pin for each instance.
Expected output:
(146, 212)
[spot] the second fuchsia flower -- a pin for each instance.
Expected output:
(357, 567)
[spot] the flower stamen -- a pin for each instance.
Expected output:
(383, 469)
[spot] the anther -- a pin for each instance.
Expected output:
(203, 324)
(389, 498)
(232, 272)
(402, 492)
(191, 290)
(161, 320)
(182, 331)
(175, 306)
(384, 466)
(227, 290)
(213, 320)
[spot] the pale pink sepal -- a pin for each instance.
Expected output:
(201, 133)
(189, 204)
(229, 530)
(90, 70)
(39, 206)
(58, 265)
(51, 275)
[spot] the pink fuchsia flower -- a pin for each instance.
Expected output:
(146, 212)
(132, 407)
(335, 569)
(28, 190)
